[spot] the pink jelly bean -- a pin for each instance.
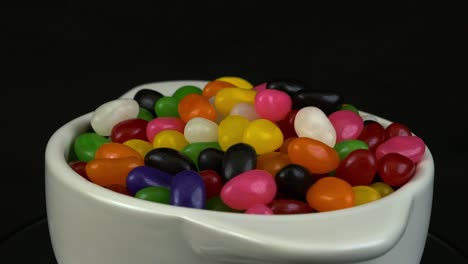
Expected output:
(259, 209)
(249, 188)
(260, 87)
(163, 123)
(272, 104)
(347, 124)
(412, 147)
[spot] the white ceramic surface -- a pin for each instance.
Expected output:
(90, 224)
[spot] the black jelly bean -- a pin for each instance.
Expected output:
(238, 158)
(328, 101)
(147, 98)
(169, 160)
(211, 159)
(289, 86)
(294, 180)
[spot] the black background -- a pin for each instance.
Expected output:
(64, 62)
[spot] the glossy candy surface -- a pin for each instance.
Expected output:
(107, 115)
(213, 182)
(147, 98)
(157, 194)
(163, 123)
(263, 135)
(358, 168)
(170, 139)
(272, 162)
(259, 209)
(329, 194)
(373, 133)
(227, 98)
(188, 190)
(86, 144)
(238, 158)
(412, 147)
(169, 160)
(231, 130)
(134, 128)
(289, 206)
(314, 155)
(272, 104)
(347, 124)
(365, 194)
(195, 105)
(294, 180)
(312, 122)
(395, 169)
(199, 129)
(144, 176)
(211, 159)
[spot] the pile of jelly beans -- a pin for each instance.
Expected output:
(277, 147)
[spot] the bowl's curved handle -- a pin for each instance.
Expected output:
(343, 236)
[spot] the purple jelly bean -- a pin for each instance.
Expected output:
(188, 190)
(144, 176)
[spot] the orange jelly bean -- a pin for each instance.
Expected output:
(330, 193)
(195, 105)
(106, 172)
(272, 162)
(213, 87)
(114, 150)
(285, 145)
(314, 155)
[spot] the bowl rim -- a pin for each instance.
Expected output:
(57, 166)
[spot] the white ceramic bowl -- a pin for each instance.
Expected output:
(93, 225)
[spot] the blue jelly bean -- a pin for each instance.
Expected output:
(144, 176)
(188, 190)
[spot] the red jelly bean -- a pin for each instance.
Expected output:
(287, 124)
(134, 128)
(396, 129)
(290, 206)
(213, 182)
(395, 169)
(80, 168)
(373, 134)
(358, 168)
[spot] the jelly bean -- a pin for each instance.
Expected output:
(219, 116)
(199, 129)
(163, 123)
(288, 86)
(213, 182)
(188, 190)
(105, 172)
(349, 107)
(358, 168)
(144, 176)
(365, 194)
(289, 206)
(107, 115)
(272, 162)
(230, 131)
(373, 134)
(237, 81)
(383, 188)
(167, 106)
(260, 87)
(140, 146)
(145, 114)
(412, 147)
(263, 135)
(134, 128)
(118, 188)
(185, 90)
(170, 139)
(238, 158)
(246, 110)
(345, 147)
(227, 98)
(329, 194)
(249, 188)
(114, 150)
(347, 124)
(312, 122)
(169, 160)
(147, 98)
(193, 150)
(397, 129)
(215, 203)
(260, 209)
(314, 155)
(285, 145)
(396, 169)
(213, 87)
(327, 101)
(80, 168)
(294, 180)
(86, 144)
(272, 104)
(287, 124)
(157, 194)
(195, 105)
(211, 159)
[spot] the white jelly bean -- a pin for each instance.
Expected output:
(107, 115)
(246, 110)
(312, 122)
(199, 129)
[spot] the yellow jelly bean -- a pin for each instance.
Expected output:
(170, 139)
(383, 188)
(230, 130)
(365, 194)
(237, 81)
(141, 146)
(227, 98)
(263, 135)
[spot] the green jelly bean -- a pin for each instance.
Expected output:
(216, 204)
(145, 114)
(186, 90)
(167, 107)
(349, 107)
(347, 146)
(157, 194)
(192, 150)
(87, 143)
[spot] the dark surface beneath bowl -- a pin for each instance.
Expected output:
(33, 243)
